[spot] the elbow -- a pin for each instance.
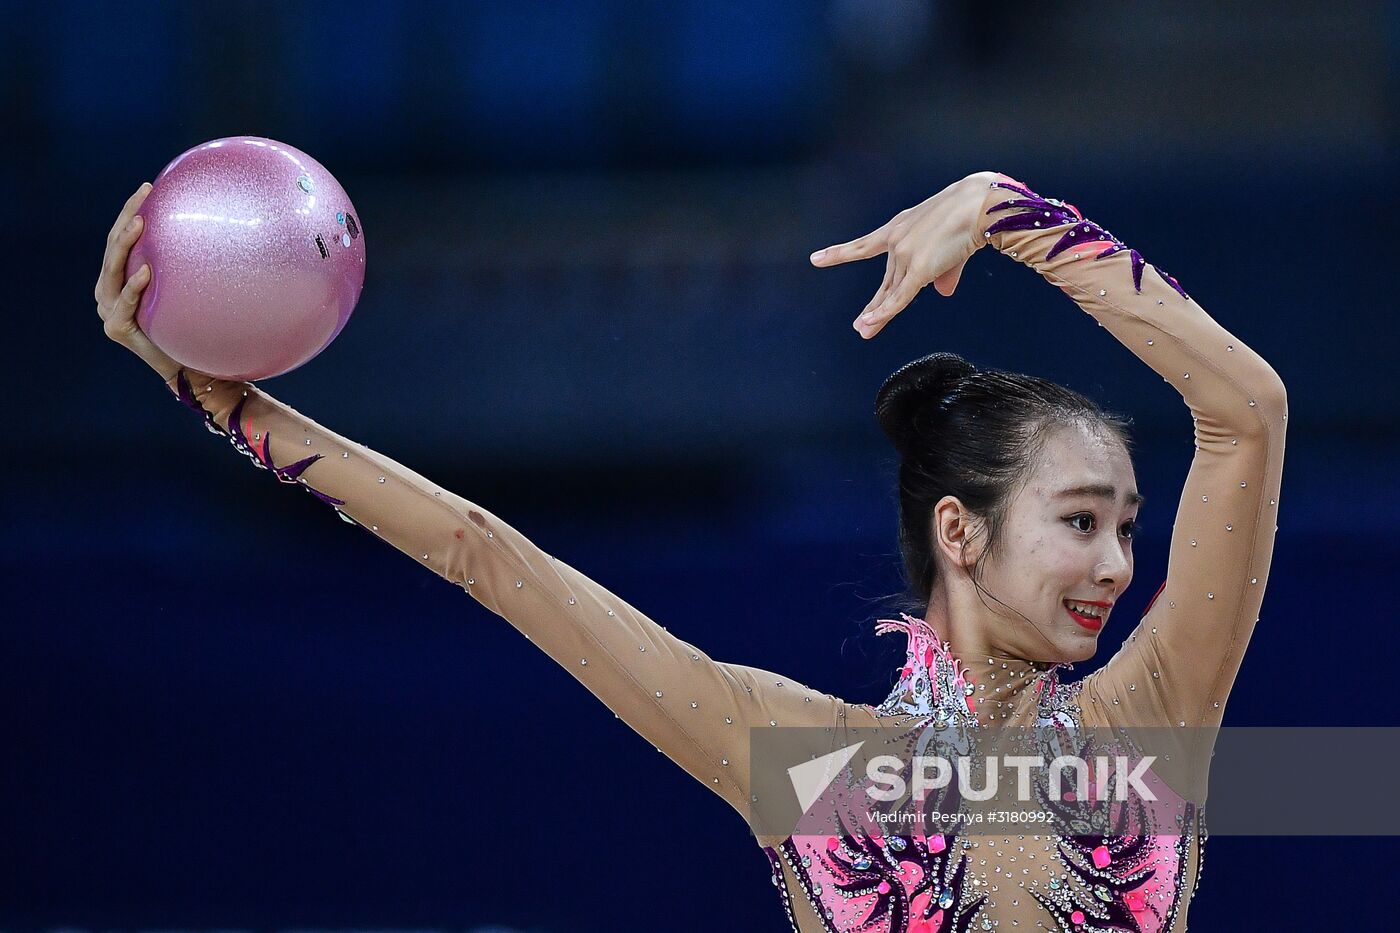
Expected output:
(1267, 403)
(1272, 401)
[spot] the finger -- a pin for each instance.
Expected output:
(122, 319)
(872, 322)
(896, 269)
(947, 283)
(872, 244)
(884, 288)
(109, 282)
(129, 209)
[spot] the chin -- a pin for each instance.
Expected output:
(1080, 649)
(1071, 650)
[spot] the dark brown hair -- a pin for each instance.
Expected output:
(974, 434)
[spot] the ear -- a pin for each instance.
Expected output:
(957, 533)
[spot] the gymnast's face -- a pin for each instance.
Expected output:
(1066, 544)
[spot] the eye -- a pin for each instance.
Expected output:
(1085, 523)
(1075, 521)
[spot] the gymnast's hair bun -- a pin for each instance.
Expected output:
(914, 388)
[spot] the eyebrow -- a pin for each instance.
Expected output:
(1101, 491)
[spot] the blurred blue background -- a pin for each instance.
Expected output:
(589, 308)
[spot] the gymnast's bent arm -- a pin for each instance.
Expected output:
(1177, 668)
(696, 710)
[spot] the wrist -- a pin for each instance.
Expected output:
(199, 382)
(979, 188)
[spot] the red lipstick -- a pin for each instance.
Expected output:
(1092, 623)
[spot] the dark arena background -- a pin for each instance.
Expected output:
(588, 307)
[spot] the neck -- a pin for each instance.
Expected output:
(998, 671)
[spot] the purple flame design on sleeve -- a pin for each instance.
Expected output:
(262, 458)
(185, 393)
(1034, 211)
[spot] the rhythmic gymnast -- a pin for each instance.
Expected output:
(1017, 505)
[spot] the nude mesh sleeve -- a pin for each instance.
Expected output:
(1179, 664)
(694, 709)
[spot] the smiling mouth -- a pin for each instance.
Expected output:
(1092, 623)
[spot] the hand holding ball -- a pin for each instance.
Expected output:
(257, 258)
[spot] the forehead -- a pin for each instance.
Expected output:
(1077, 455)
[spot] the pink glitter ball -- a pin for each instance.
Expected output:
(257, 258)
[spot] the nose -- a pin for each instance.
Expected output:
(1114, 568)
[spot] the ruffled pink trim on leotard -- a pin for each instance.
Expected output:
(932, 679)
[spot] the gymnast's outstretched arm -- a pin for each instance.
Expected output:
(696, 710)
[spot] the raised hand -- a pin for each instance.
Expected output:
(927, 243)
